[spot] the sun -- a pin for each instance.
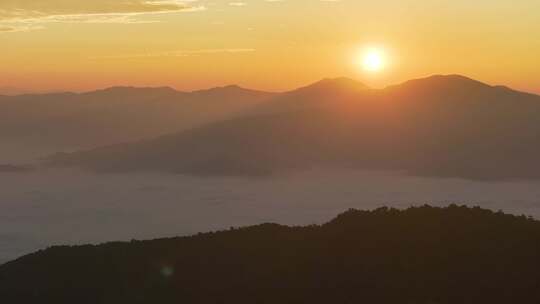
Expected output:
(373, 60)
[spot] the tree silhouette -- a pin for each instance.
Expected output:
(419, 255)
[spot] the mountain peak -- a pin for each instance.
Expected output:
(336, 84)
(340, 81)
(452, 81)
(228, 89)
(124, 89)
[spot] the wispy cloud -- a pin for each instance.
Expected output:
(180, 53)
(19, 28)
(20, 15)
(26, 15)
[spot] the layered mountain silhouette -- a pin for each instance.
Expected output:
(8, 168)
(12, 91)
(419, 255)
(447, 126)
(64, 121)
(317, 95)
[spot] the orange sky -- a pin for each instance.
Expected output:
(265, 44)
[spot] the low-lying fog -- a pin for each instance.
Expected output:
(43, 208)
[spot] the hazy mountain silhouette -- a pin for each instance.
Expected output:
(442, 126)
(13, 91)
(13, 168)
(119, 114)
(419, 255)
(319, 95)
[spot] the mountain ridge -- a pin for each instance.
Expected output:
(335, 81)
(418, 255)
(117, 114)
(468, 134)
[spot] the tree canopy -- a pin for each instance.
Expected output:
(423, 254)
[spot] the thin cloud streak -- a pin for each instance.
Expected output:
(28, 15)
(180, 53)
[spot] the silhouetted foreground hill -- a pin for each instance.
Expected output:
(419, 255)
(446, 126)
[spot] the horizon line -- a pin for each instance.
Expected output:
(27, 92)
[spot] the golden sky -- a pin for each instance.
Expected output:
(265, 44)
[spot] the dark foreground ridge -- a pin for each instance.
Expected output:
(419, 255)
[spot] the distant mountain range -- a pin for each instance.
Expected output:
(446, 126)
(13, 168)
(70, 121)
(386, 256)
(13, 91)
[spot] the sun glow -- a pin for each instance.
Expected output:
(373, 60)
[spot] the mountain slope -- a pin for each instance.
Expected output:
(12, 91)
(119, 114)
(319, 95)
(419, 255)
(442, 126)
